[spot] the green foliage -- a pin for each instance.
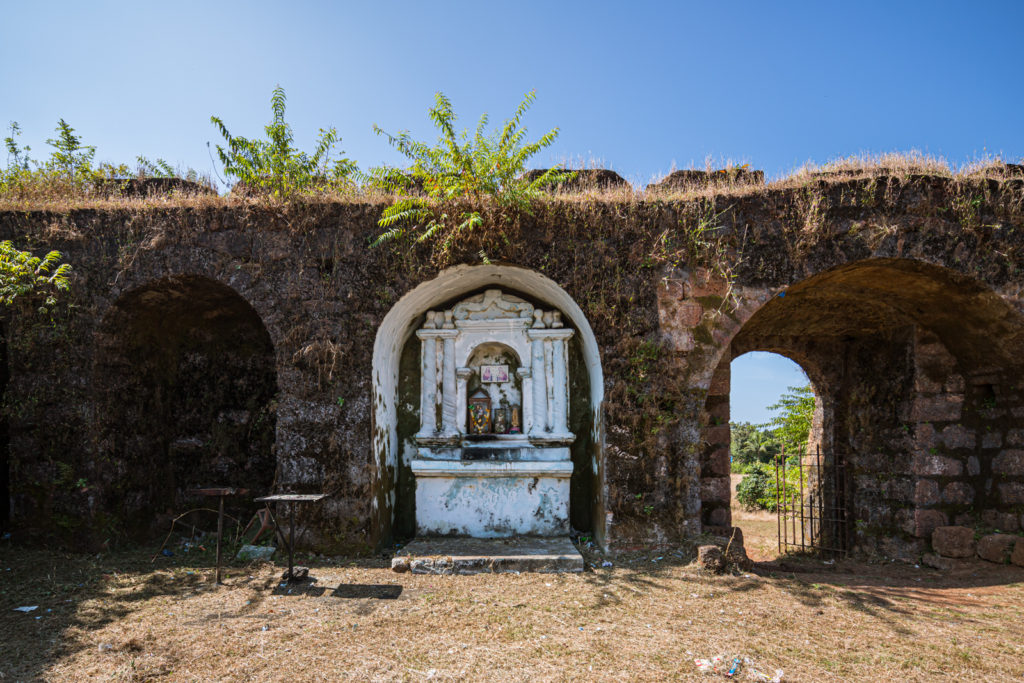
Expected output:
(23, 275)
(458, 174)
(758, 490)
(753, 490)
(792, 425)
(17, 157)
(70, 157)
(751, 444)
(274, 166)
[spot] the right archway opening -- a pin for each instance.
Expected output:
(918, 375)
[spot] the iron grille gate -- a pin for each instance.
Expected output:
(810, 505)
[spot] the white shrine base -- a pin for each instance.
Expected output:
(492, 499)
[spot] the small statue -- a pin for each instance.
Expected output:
(514, 421)
(501, 418)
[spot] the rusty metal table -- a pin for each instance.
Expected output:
(220, 492)
(292, 498)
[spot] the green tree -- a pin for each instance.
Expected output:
(274, 165)
(792, 425)
(458, 174)
(24, 277)
(70, 157)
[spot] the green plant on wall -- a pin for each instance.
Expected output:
(24, 276)
(274, 166)
(458, 174)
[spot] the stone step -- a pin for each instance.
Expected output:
(454, 555)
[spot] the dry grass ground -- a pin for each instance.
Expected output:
(119, 617)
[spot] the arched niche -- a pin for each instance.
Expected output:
(586, 395)
(185, 385)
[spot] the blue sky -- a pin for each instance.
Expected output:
(637, 87)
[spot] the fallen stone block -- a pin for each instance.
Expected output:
(954, 541)
(934, 561)
(1017, 556)
(711, 558)
(996, 547)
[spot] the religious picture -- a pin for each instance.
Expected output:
(494, 373)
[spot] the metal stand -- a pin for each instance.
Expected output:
(220, 493)
(292, 498)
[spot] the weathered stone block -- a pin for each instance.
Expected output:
(1012, 493)
(933, 465)
(718, 435)
(996, 547)
(715, 489)
(973, 466)
(1000, 521)
(958, 493)
(899, 489)
(1017, 556)
(719, 463)
(719, 411)
(957, 436)
(926, 492)
(719, 383)
(940, 408)
(938, 562)
(711, 558)
(954, 541)
(1015, 437)
(991, 439)
(926, 521)
(720, 517)
(689, 313)
(1009, 462)
(926, 437)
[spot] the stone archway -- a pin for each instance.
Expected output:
(392, 340)
(918, 370)
(185, 386)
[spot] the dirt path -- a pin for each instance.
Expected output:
(760, 528)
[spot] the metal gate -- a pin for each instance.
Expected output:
(810, 505)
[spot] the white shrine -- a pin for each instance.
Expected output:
(492, 452)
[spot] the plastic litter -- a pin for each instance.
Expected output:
(736, 667)
(606, 563)
(28, 608)
(166, 553)
(104, 647)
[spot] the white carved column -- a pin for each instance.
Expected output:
(539, 393)
(560, 387)
(526, 409)
(428, 382)
(449, 396)
(462, 376)
(549, 386)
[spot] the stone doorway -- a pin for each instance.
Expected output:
(918, 371)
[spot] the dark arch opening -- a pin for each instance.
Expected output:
(186, 381)
(919, 371)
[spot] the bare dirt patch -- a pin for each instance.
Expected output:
(645, 618)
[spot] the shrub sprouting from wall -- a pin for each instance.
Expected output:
(453, 178)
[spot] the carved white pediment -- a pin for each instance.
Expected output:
(493, 305)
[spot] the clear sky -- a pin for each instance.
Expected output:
(634, 86)
(758, 379)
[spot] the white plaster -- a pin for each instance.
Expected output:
(492, 499)
(398, 324)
